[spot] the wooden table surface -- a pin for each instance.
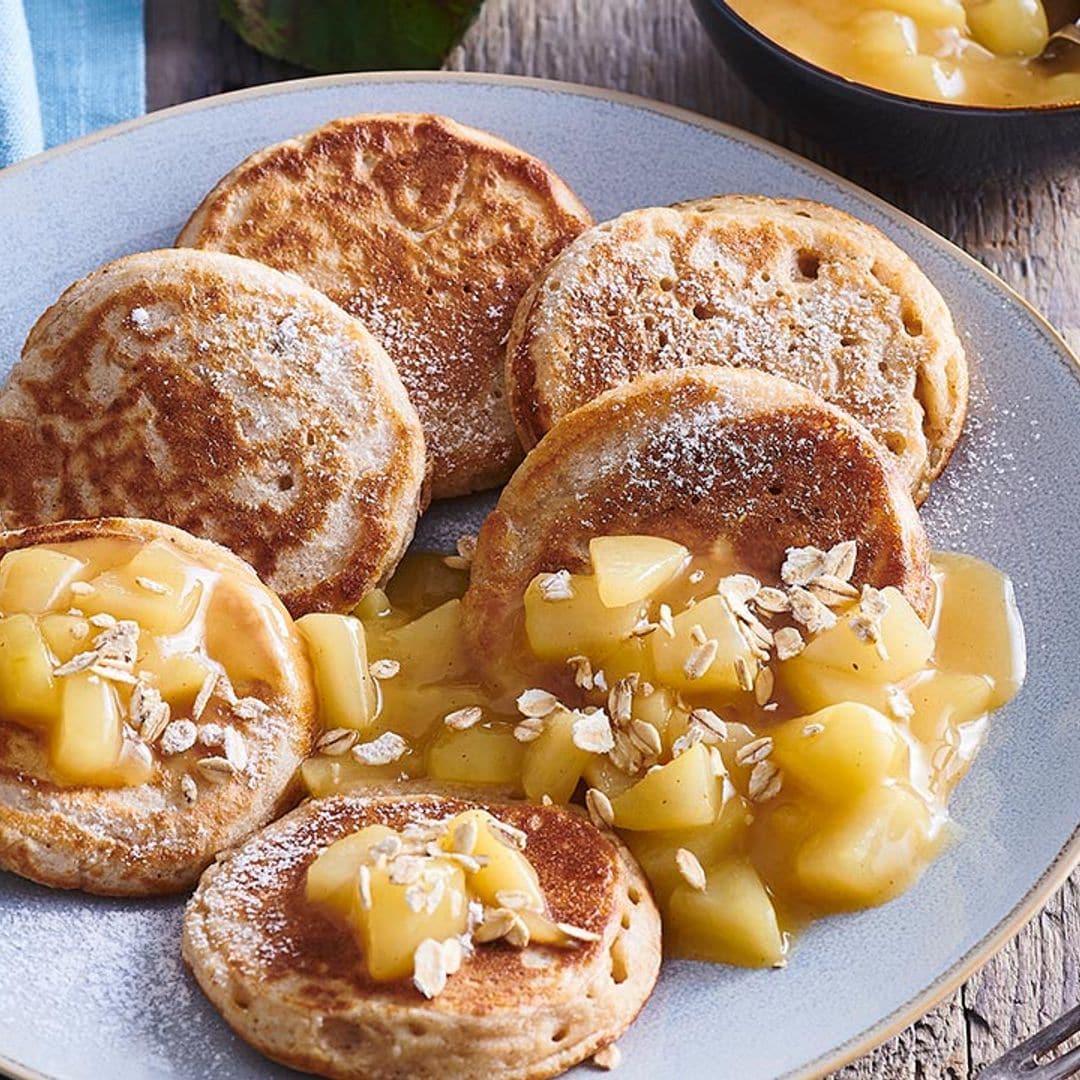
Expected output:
(1028, 233)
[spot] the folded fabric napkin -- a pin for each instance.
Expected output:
(20, 114)
(66, 69)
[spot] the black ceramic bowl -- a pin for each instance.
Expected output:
(875, 127)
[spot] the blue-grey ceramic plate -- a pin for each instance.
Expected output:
(95, 988)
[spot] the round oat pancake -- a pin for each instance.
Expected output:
(226, 398)
(157, 837)
(704, 456)
(790, 287)
(427, 230)
(293, 984)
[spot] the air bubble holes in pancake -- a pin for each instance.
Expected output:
(808, 264)
(620, 962)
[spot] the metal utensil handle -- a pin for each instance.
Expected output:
(1020, 1062)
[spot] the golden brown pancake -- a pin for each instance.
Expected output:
(786, 286)
(228, 399)
(703, 456)
(427, 230)
(149, 839)
(294, 985)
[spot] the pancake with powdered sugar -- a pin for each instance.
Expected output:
(294, 985)
(704, 456)
(226, 398)
(427, 230)
(785, 286)
(158, 836)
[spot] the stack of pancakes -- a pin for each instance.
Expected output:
(397, 307)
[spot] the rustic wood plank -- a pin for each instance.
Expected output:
(1034, 979)
(1030, 235)
(191, 53)
(935, 1048)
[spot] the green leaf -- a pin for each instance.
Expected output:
(353, 35)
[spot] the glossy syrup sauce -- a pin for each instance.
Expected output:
(853, 852)
(231, 625)
(972, 53)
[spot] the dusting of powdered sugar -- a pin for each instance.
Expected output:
(95, 987)
(699, 450)
(449, 357)
(666, 288)
(990, 472)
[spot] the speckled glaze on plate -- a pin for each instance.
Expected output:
(92, 988)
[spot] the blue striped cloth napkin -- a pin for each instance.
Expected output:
(67, 68)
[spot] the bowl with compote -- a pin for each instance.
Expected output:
(959, 88)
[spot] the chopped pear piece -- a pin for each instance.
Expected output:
(477, 755)
(374, 606)
(628, 656)
(506, 870)
(949, 720)
(839, 752)
(177, 676)
(679, 795)
(944, 701)
(86, 740)
(680, 660)
(65, 635)
(629, 569)
(905, 648)
(871, 852)
(732, 921)
(600, 773)
(978, 624)
(34, 580)
(656, 709)
(429, 649)
(552, 763)
(778, 830)
(1009, 27)
(159, 589)
(581, 624)
(338, 649)
(28, 692)
(390, 930)
(813, 687)
(414, 711)
(331, 878)
(710, 844)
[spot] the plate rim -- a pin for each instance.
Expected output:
(1068, 858)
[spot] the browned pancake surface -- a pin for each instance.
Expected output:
(700, 456)
(427, 230)
(293, 982)
(221, 396)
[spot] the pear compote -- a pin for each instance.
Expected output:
(771, 753)
(418, 900)
(967, 52)
(111, 651)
